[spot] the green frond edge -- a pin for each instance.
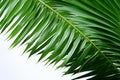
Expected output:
(80, 32)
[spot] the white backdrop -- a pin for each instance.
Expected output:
(15, 66)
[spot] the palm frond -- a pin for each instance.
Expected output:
(83, 34)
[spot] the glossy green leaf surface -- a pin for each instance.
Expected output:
(82, 34)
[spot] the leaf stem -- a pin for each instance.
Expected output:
(80, 32)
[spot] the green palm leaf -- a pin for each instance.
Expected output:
(82, 34)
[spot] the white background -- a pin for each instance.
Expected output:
(14, 66)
